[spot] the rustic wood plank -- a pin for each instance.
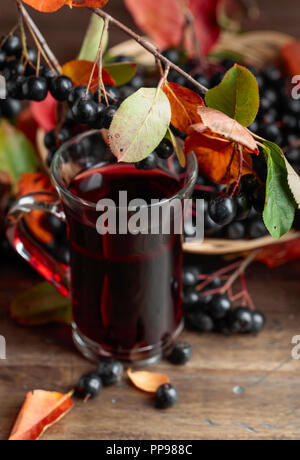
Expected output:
(208, 409)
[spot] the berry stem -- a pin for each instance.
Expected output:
(217, 274)
(240, 270)
(40, 38)
(241, 159)
(150, 47)
(10, 33)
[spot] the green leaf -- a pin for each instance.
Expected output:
(178, 149)
(237, 95)
(280, 205)
(121, 73)
(91, 41)
(41, 305)
(139, 125)
(293, 181)
(17, 154)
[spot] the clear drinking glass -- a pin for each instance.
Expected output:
(126, 289)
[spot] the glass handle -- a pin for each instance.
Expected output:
(28, 248)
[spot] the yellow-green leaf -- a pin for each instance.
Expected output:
(139, 125)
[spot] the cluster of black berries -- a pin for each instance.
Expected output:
(207, 313)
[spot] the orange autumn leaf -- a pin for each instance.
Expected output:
(184, 104)
(217, 160)
(224, 126)
(30, 183)
(40, 410)
(147, 381)
(50, 6)
(162, 20)
(279, 254)
(80, 71)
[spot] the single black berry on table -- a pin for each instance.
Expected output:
(148, 163)
(85, 111)
(199, 321)
(166, 396)
(222, 210)
(13, 45)
(219, 306)
(190, 276)
(165, 149)
(181, 353)
(60, 87)
(241, 320)
(89, 386)
(258, 321)
(35, 88)
(110, 371)
(108, 115)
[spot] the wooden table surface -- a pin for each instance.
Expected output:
(269, 407)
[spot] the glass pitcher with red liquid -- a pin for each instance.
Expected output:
(125, 288)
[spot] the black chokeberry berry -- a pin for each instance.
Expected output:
(63, 255)
(137, 82)
(85, 111)
(98, 123)
(89, 386)
(248, 183)
(222, 210)
(35, 88)
(181, 353)
(108, 115)
(165, 149)
(199, 321)
(47, 73)
(219, 306)
(257, 229)
(12, 46)
(258, 321)
(60, 87)
(148, 163)
(110, 371)
(32, 55)
(166, 396)
(55, 137)
(235, 231)
(54, 225)
(77, 93)
(190, 276)
(241, 320)
(190, 299)
(243, 206)
(3, 57)
(173, 55)
(258, 198)
(10, 108)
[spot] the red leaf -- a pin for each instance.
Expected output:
(216, 158)
(279, 254)
(162, 20)
(291, 57)
(49, 6)
(30, 183)
(40, 410)
(44, 113)
(184, 104)
(27, 124)
(79, 71)
(206, 25)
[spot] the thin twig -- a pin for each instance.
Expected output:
(40, 38)
(100, 77)
(241, 159)
(239, 271)
(149, 47)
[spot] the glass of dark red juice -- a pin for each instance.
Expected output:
(124, 281)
